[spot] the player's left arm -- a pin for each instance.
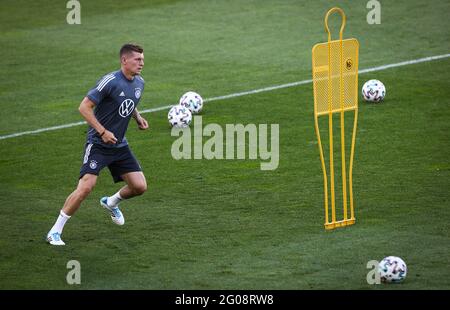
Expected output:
(142, 122)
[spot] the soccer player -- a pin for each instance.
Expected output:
(107, 109)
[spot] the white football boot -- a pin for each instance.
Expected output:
(54, 238)
(116, 214)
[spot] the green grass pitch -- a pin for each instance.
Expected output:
(224, 224)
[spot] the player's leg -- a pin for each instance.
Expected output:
(73, 202)
(94, 160)
(136, 185)
(84, 188)
(125, 168)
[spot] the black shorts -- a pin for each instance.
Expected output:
(119, 161)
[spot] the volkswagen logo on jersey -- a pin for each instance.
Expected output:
(137, 93)
(126, 108)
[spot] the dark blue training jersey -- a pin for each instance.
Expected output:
(115, 99)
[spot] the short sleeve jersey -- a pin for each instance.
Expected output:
(115, 99)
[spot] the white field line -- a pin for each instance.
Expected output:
(245, 93)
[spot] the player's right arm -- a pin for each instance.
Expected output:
(87, 111)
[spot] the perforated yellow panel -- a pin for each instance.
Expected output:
(335, 81)
(345, 58)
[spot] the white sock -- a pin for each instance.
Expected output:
(114, 200)
(60, 222)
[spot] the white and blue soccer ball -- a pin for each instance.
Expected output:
(179, 116)
(192, 101)
(392, 269)
(373, 91)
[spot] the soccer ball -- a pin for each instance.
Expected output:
(392, 269)
(373, 91)
(179, 116)
(192, 101)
